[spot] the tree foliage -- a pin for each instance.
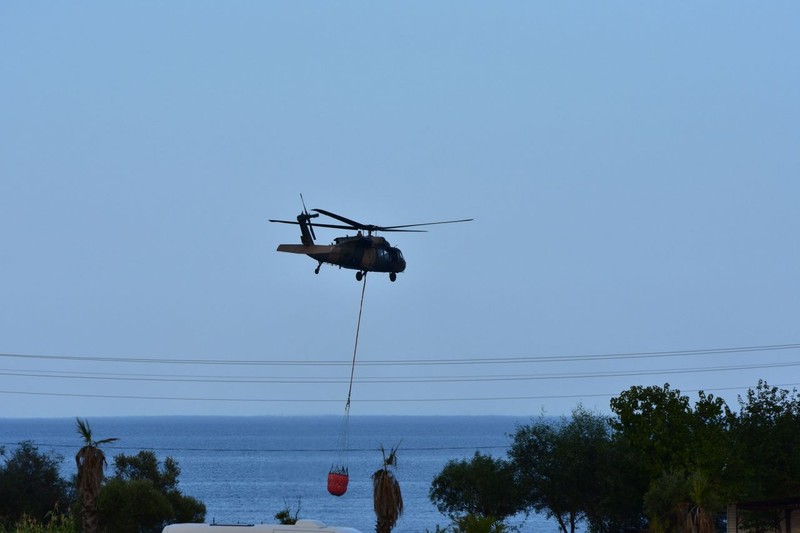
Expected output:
(30, 485)
(132, 506)
(483, 486)
(704, 500)
(55, 522)
(567, 468)
(143, 496)
(679, 449)
(288, 516)
(660, 462)
(680, 502)
(479, 524)
(657, 423)
(765, 438)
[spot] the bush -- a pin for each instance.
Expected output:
(143, 496)
(287, 516)
(30, 485)
(55, 523)
(480, 524)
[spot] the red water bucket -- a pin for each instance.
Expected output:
(337, 482)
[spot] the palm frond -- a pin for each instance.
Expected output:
(84, 430)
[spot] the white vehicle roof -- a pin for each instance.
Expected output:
(302, 526)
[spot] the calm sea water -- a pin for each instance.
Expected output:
(246, 469)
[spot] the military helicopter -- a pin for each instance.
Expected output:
(361, 252)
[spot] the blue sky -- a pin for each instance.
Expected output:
(633, 170)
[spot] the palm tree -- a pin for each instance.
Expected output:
(704, 501)
(90, 460)
(387, 501)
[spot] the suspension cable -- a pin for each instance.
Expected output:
(355, 346)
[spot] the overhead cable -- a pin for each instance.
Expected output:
(410, 361)
(364, 401)
(305, 380)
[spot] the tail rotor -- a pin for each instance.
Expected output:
(308, 217)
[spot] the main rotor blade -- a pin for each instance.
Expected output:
(342, 226)
(353, 223)
(372, 227)
(369, 228)
(394, 228)
(335, 226)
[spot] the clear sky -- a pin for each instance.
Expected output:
(633, 169)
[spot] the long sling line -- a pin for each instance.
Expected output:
(338, 476)
(355, 346)
(346, 425)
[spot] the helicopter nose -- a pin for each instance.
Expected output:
(398, 260)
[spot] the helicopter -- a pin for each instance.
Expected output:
(363, 252)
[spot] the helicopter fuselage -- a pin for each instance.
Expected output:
(362, 253)
(368, 254)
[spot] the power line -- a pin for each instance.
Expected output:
(413, 362)
(381, 380)
(426, 378)
(364, 401)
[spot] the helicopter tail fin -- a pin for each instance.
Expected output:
(306, 229)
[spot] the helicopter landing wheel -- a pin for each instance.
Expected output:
(392, 276)
(359, 275)
(316, 270)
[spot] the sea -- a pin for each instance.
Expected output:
(246, 469)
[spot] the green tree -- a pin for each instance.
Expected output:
(30, 485)
(387, 500)
(669, 441)
(91, 462)
(711, 437)
(657, 422)
(662, 426)
(483, 487)
(143, 496)
(566, 468)
(132, 506)
(764, 463)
